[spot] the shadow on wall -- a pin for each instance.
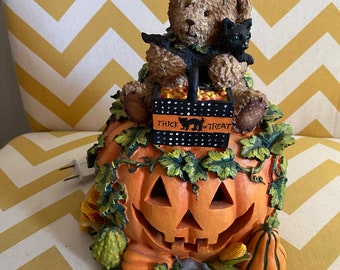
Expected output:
(13, 121)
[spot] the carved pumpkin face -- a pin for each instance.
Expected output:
(164, 213)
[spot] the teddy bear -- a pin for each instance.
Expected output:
(196, 37)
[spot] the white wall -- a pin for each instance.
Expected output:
(12, 118)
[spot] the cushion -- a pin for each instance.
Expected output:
(39, 211)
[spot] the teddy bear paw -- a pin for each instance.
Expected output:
(136, 101)
(250, 108)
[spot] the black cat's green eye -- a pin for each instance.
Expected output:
(236, 37)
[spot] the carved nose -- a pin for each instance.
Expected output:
(190, 22)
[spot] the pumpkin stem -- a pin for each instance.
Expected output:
(267, 227)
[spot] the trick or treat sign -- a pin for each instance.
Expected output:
(192, 123)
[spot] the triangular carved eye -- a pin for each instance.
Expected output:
(158, 194)
(222, 198)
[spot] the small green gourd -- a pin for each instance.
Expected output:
(108, 247)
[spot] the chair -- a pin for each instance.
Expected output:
(72, 56)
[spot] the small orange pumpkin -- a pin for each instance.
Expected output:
(266, 249)
(140, 257)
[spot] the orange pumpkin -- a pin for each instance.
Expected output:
(266, 249)
(163, 213)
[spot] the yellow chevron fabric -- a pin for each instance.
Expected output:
(71, 56)
(295, 45)
(310, 220)
(39, 212)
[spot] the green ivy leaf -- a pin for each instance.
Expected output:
(273, 221)
(253, 147)
(113, 209)
(273, 113)
(111, 195)
(200, 49)
(277, 191)
(249, 80)
(180, 46)
(132, 138)
(222, 163)
(143, 72)
(193, 168)
(277, 137)
(174, 162)
(92, 152)
(283, 166)
(117, 110)
(104, 180)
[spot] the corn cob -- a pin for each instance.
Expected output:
(90, 212)
(233, 251)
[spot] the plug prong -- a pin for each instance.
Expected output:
(79, 168)
(67, 167)
(71, 177)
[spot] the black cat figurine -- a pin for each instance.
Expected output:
(235, 39)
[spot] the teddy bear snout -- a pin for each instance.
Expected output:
(190, 22)
(191, 30)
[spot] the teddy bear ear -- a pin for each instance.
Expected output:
(227, 24)
(184, 3)
(248, 23)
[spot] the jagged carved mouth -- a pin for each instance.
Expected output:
(201, 244)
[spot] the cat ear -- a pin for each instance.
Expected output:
(248, 23)
(227, 24)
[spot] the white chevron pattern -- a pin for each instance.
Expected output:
(70, 24)
(72, 244)
(34, 172)
(313, 157)
(287, 28)
(302, 68)
(316, 213)
(39, 201)
(322, 113)
(109, 46)
(143, 15)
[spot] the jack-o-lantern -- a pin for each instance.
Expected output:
(164, 213)
(168, 214)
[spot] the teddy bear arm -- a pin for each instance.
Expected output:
(244, 8)
(226, 71)
(165, 68)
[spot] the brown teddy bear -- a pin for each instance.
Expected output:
(210, 34)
